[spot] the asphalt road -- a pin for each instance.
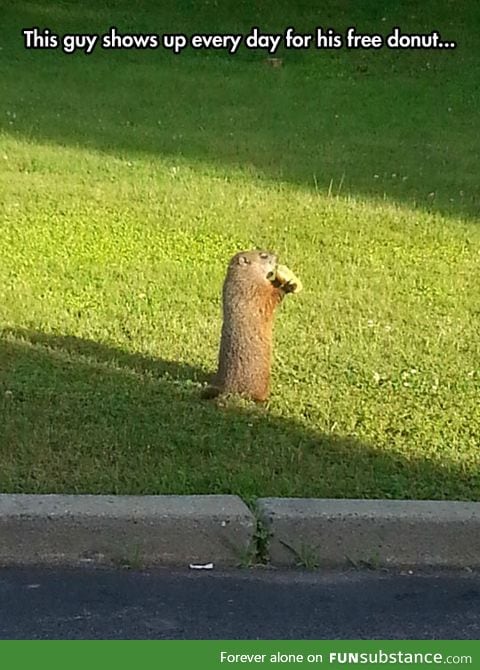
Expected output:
(92, 603)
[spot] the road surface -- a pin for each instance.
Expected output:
(89, 603)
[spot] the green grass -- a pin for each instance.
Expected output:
(128, 179)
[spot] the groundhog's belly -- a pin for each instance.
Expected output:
(244, 362)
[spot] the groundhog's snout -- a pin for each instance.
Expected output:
(279, 275)
(255, 266)
(272, 263)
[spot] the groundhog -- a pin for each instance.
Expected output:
(254, 286)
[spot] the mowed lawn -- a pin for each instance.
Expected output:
(129, 178)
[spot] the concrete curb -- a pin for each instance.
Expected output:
(125, 530)
(142, 531)
(375, 533)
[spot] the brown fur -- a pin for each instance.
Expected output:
(249, 302)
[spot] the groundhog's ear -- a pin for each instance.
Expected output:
(243, 260)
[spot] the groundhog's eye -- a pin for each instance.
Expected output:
(264, 256)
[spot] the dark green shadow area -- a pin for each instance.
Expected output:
(394, 125)
(81, 417)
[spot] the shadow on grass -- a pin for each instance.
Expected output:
(383, 125)
(79, 416)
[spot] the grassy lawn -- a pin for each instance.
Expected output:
(128, 179)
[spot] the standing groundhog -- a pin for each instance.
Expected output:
(253, 288)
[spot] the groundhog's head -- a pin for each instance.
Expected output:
(259, 266)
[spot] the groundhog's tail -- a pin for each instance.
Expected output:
(210, 392)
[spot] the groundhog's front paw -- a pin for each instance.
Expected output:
(285, 279)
